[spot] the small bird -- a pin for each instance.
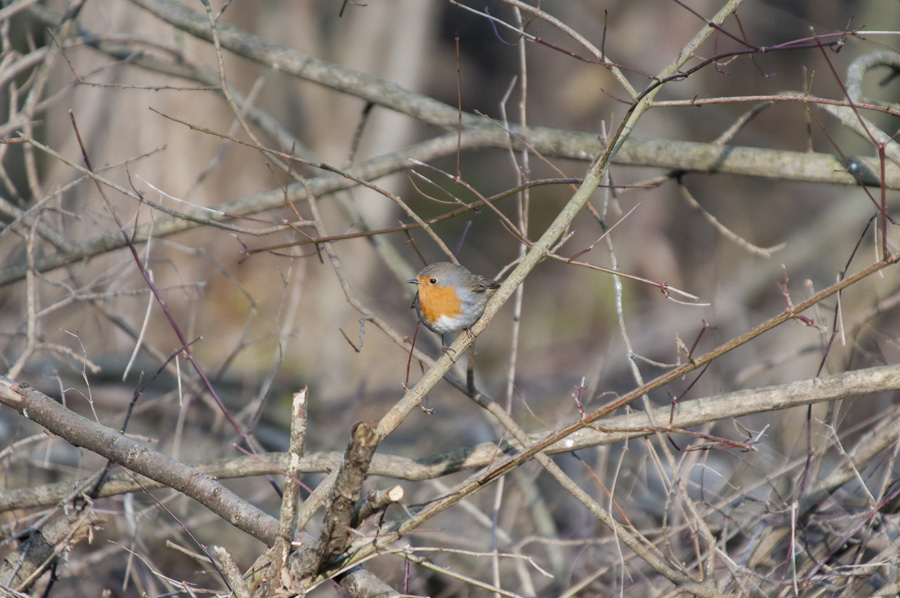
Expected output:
(450, 298)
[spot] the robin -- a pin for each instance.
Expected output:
(449, 298)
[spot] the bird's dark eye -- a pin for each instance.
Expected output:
(433, 281)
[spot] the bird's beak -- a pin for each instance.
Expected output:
(413, 281)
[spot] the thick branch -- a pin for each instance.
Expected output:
(132, 455)
(340, 508)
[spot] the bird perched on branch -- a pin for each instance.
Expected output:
(449, 298)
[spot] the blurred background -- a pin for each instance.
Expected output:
(265, 325)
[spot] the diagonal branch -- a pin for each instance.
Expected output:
(133, 455)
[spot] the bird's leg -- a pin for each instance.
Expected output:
(445, 348)
(470, 372)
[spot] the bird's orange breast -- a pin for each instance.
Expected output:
(435, 302)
